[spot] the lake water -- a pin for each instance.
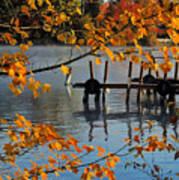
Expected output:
(106, 126)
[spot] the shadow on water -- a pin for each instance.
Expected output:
(159, 109)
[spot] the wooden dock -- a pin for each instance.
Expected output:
(163, 86)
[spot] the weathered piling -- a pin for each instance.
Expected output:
(176, 71)
(106, 71)
(92, 86)
(165, 76)
(91, 70)
(140, 82)
(129, 82)
(105, 78)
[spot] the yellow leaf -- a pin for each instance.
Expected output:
(29, 43)
(11, 72)
(98, 61)
(78, 10)
(46, 87)
(56, 174)
(8, 177)
(58, 146)
(109, 52)
(24, 47)
(40, 2)
(64, 69)
(32, 4)
(78, 47)
(177, 10)
(36, 94)
(63, 16)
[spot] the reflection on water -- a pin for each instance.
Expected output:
(156, 109)
(106, 123)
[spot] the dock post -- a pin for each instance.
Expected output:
(129, 82)
(140, 82)
(91, 70)
(165, 76)
(105, 78)
(92, 86)
(176, 71)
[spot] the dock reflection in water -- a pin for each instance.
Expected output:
(154, 108)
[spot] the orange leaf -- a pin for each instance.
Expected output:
(25, 10)
(78, 47)
(46, 87)
(150, 123)
(136, 139)
(137, 129)
(88, 148)
(64, 156)
(32, 4)
(44, 175)
(100, 149)
(127, 140)
(63, 16)
(3, 121)
(98, 61)
(24, 47)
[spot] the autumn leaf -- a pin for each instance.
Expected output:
(36, 94)
(149, 123)
(3, 121)
(81, 42)
(11, 72)
(136, 139)
(63, 16)
(64, 156)
(40, 2)
(44, 175)
(109, 52)
(135, 59)
(61, 37)
(46, 87)
(88, 148)
(24, 47)
(32, 4)
(78, 47)
(137, 129)
(64, 69)
(97, 61)
(78, 10)
(47, 27)
(127, 140)
(25, 10)
(87, 26)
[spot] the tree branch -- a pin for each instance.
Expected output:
(57, 65)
